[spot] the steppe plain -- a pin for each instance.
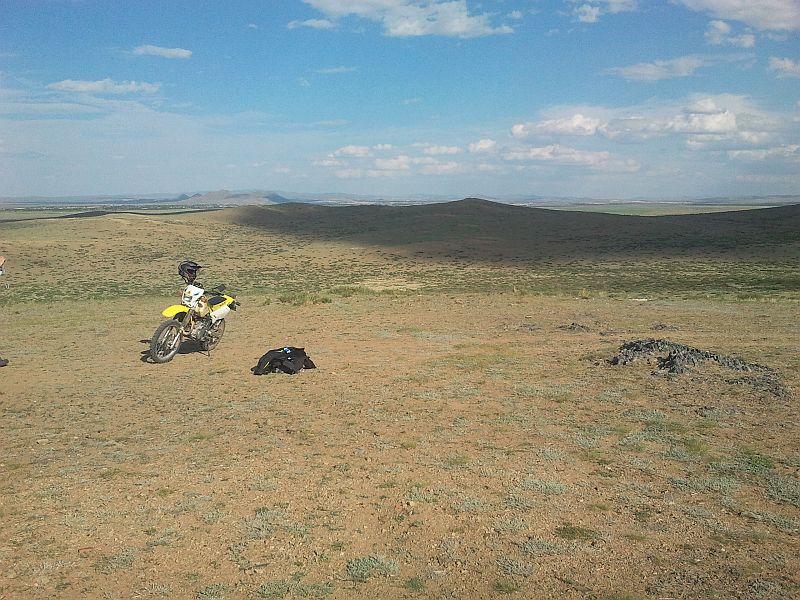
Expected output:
(464, 434)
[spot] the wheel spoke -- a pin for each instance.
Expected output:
(166, 341)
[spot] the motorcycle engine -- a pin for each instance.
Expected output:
(201, 328)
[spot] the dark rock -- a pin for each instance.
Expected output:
(681, 358)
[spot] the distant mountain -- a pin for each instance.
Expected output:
(109, 200)
(233, 198)
(228, 198)
(750, 200)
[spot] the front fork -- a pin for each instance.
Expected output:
(187, 323)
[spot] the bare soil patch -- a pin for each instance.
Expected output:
(434, 452)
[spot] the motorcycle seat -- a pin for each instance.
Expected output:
(214, 300)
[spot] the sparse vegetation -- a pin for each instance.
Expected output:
(116, 562)
(363, 568)
(455, 439)
(505, 586)
(215, 591)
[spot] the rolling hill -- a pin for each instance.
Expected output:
(481, 230)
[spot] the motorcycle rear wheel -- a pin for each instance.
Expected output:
(166, 341)
(214, 335)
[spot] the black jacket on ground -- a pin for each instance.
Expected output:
(284, 360)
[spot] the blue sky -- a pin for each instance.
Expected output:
(601, 98)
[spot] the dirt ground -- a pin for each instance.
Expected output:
(447, 446)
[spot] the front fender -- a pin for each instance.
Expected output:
(173, 310)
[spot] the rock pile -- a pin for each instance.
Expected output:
(680, 358)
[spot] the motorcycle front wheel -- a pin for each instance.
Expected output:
(215, 335)
(166, 341)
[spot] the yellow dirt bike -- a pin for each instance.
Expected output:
(199, 317)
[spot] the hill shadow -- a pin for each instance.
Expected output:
(476, 229)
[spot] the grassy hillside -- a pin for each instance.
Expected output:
(487, 228)
(466, 246)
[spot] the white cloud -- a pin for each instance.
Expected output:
(777, 37)
(565, 155)
(588, 14)
(784, 67)
(432, 166)
(577, 124)
(790, 182)
(557, 153)
(406, 18)
(719, 33)
(618, 6)
(354, 151)
(761, 14)
(661, 69)
(350, 162)
(149, 50)
(704, 105)
(349, 173)
(442, 168)
(791, 152)
(312, 23)
(105, 86)
(755, 137)
(704, 123)
(707, 130)
(437, 150)
(327, 163)
(701, 122)
(634, 128)
(590, 11)
(398, 163)
(483, 146)
(34, 108)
